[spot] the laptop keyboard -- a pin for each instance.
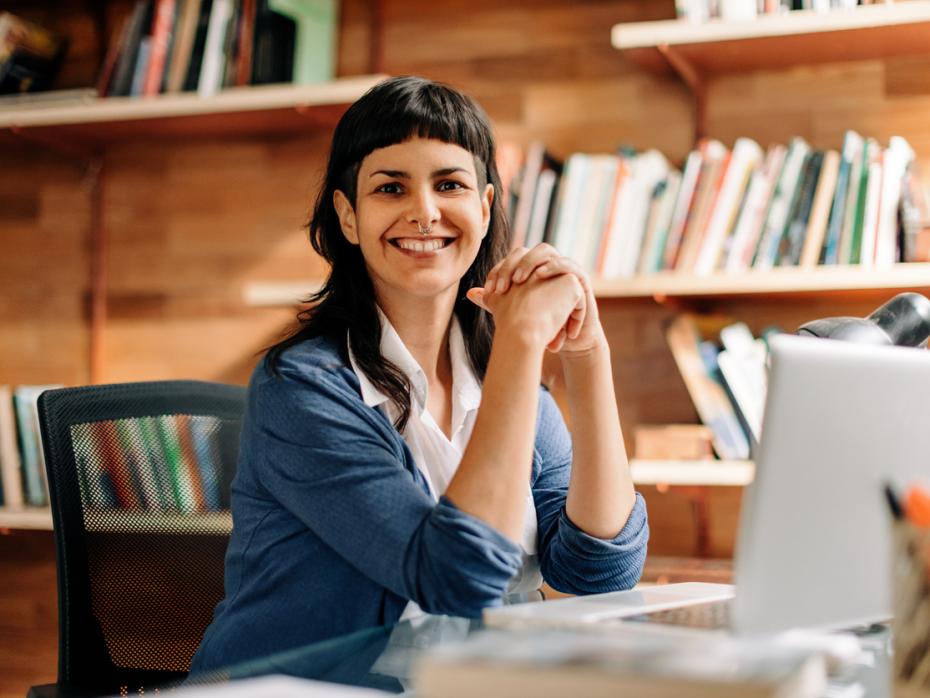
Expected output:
(709, 616)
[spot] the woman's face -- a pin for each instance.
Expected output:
(408, 187)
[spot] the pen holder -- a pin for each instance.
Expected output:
(911, 563)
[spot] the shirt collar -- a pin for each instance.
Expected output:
(465, 384)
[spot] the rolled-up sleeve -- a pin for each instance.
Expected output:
(334, 464)
(572, 561)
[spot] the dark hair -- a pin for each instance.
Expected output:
(392, 112)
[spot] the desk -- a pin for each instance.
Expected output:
(383, 657)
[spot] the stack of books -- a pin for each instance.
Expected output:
(739, 10)
(728, 210)
(167, 46)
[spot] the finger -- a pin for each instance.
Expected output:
(498, 280)
(556, 344)
(538, 255)
(577, 317)
(476, 296)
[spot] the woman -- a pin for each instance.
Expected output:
(371, 486)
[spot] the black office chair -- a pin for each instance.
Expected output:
(139, 477)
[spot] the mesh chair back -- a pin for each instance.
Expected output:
(139, 478)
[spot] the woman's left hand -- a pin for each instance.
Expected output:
(583, 332)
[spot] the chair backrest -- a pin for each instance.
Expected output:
(139, 477)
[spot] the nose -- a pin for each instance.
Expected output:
(423, 210)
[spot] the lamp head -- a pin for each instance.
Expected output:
(902, 321)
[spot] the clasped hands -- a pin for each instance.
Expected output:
(538, 290)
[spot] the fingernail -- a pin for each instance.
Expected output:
(489, 285)
(519, 276)
(501, 285)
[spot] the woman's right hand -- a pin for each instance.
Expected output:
(537, 310)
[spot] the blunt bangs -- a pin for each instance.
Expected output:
(399, 109)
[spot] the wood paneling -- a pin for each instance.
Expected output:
(28, 612)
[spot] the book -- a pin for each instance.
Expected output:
(897, 158)
(660, 219)
(183, 45)
(709, 398)
(214, 59)
(689, 178)
(744, 158)
(10, 463)
(569, 201)
(25, 406)
(121, 85)
(594, 207)
(714, 160)
(742, 365)
(751, 219)
(873, 191)
(273, 50)
(246, 39)
(869, 156)
(552, 663)
(792, 241)
(542, 207)
(820, 210)
(783, 201)
(859, 161)
(529, 177)
(195, 63)
(161, 38)
(852, 145)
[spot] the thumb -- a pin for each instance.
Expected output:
(476, 296)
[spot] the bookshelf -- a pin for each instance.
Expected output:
(698, 51)
(645, 472)
(28, 519)
(821, 281)
(242, 111)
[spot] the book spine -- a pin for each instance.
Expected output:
(161, 36)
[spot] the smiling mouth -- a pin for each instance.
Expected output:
(420, 244)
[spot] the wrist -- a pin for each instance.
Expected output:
(589, 356)
(520, 338)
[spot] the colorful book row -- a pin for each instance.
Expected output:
(166, 46)
(728, 210)
(163, 463)
(22, 462)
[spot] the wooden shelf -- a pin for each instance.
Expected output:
(781, 40)
(709, 472)
(263, 109)
(777, 282)
(28, 519)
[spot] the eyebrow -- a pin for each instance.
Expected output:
(400, 174)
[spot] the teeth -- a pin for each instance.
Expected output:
(420, 245)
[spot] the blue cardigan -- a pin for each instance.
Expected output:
(334, 528)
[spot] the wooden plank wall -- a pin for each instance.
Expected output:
(190, 223)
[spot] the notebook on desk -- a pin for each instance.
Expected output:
(813, 549)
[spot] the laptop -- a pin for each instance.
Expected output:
(814, 543)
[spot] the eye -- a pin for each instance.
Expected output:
(390, 188)
(450, 185)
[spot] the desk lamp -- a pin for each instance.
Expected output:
(902, 321)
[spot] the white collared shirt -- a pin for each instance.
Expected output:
(436, 455)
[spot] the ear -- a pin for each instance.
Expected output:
(346, 215)
(486, 200)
